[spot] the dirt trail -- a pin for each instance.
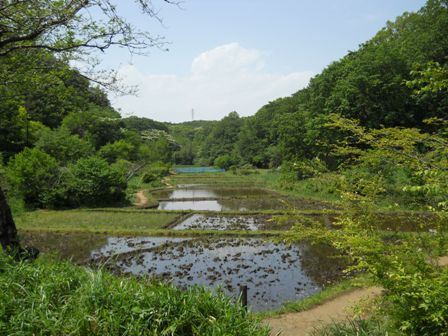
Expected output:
(337, 309)
(141, 199)
(443, 261)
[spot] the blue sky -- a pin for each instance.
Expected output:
(227, 55)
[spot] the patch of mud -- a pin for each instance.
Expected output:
(220, 223)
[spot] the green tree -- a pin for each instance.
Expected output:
(404, 264)
(93, 182)
(98, 125)
(63, 146)
(117, 150)
(223, 137)
(32, 173)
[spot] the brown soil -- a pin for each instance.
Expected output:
(141, 199)
(443, 261)
(337, 309)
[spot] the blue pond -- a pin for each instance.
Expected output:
(199, 170)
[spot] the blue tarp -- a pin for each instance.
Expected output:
(199, 170)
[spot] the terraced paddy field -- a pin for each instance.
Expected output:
(214, 230)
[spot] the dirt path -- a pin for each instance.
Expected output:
(337, 309)
(443, 261)
(141, 199)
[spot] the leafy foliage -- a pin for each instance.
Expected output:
(32, 173)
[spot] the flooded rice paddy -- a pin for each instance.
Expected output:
(248, 204)
(274, 272)
(212, 198)
(223, 223)
(204, 191)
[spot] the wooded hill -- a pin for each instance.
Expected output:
(382, 84)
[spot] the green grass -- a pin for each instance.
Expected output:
(320, 297)
(118, 222)
(94, 221)
(360, 327)
(311, 188)
(48, 297)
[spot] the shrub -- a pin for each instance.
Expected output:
(92, 182)
(88, 182)
(32, 173)
(225, 161)
(155, 172)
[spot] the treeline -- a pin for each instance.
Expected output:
(382, 84)
(62, 143)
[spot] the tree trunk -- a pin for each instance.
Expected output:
(8, 231)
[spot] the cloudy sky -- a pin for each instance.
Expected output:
(237, 55)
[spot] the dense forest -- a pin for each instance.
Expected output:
(64, 144)
(393, 86)
(385, 83)
(56, 121)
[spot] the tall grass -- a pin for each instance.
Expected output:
(57, 298)
(358, 327)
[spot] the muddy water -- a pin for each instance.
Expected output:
(245, 204)
(273, 271)
(203, 191)
(73, 246)
(213, 198)
(221, 223)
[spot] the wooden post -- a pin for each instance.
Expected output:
(243, 296)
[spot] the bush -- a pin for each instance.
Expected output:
(94, 182)
(88, 182)
(225, 161)
(155, 172)
(33, 173)
(420, 301)
(58, 298)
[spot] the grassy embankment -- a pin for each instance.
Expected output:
(48, 297)
(118, 222)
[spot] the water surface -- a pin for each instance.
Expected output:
(274, 272)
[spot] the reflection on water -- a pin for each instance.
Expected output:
(243, 204)
(73, 246)
(203, 191)
(118, 245)
(191, 205)
(274, 272)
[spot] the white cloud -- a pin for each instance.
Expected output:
(224, 79)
